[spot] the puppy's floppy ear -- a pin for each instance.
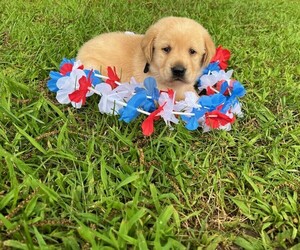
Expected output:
(210, 50)
(148, 43)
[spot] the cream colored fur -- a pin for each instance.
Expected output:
(130, 53)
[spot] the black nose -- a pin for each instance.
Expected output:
(178, 71)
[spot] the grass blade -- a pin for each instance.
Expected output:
(31, 140)
(128, 180)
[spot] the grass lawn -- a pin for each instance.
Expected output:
(76, 179)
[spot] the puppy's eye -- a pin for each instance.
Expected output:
(167, 49)
(192, 51)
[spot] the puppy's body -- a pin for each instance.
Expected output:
(176, 50)
(118, 49)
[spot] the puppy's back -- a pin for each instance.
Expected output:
(110, 49)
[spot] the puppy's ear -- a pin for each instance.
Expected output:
(210, 50)
(148, 43)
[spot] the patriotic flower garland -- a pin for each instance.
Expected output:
(214, 109)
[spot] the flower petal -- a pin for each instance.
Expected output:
(148, 123)
(130, 112)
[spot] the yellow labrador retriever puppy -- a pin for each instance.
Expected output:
(174, 51)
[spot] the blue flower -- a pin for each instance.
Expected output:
(94, 79)
(192, 121)
(212, 102)
(149, 105)
(51, 84)
(65, 70)
(152, 93)
(208, 104)
(238, 90)
(224, 87)
(66, 67)
(65, 60)
(151, 87)
(214, 66)
(129, 112)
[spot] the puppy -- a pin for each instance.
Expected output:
(174, 51)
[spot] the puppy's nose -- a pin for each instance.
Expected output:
(178, 71)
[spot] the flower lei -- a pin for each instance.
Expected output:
(214, 109)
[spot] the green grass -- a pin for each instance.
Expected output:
(76, 179)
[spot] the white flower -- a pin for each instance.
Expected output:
(76, 65)
(202, 123)
(215, 76)
(223, 75)
(167, 112)
(126, 90)
(237, 109)
(109, 102)
(190, 102)
(68, 85)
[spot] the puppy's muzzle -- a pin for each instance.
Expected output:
(178, 71)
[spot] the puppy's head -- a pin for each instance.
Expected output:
(177, 49)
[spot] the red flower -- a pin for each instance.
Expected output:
(67, 68)
(210, 91)
(113, 77)
(215, 119)
(171, 93)
(80, 94)
(221, 56)
(218, 87)
(148, 123)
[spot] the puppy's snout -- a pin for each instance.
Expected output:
(178, 71)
